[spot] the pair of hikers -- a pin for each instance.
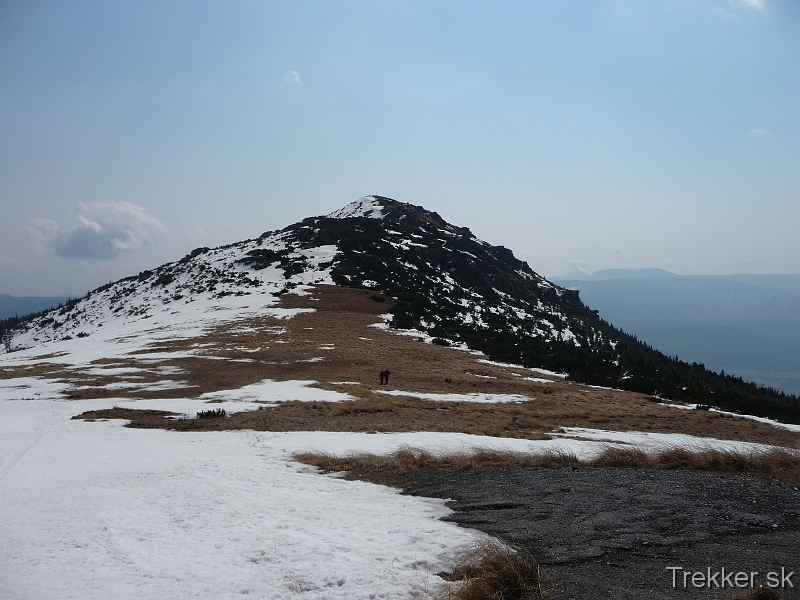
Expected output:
(385, 376)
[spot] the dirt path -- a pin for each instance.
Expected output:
(613, 533)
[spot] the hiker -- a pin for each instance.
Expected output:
(386, 375)
(383, 376)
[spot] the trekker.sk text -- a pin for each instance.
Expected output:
(722, 578)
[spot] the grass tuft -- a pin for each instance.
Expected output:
(214, 413)
(489, 571)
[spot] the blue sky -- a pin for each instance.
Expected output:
(583, 135)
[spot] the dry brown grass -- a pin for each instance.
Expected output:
(489, 571)
(124, 413)
(339, 331)
(382, 415)
(400, 468)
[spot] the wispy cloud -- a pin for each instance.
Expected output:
(719, 11)
(579, 267)
(734, 5)
(43, 230)
(7, 261)
(292, 77)
(103, 231)
(757, 132)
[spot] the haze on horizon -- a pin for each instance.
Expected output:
(583, 136)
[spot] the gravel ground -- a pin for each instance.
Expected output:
(613, 533)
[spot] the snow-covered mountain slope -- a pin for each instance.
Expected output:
(228, 278)
(437, 278)
(401, 248)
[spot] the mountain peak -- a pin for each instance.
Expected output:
(393, 211)
(370, 207)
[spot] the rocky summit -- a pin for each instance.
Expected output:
(441, 279)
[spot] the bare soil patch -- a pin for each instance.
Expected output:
(610, 527)
(613, 532)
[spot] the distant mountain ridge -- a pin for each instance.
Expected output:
(788, 282)
(437, 278)
(744, 324)
(12, 306)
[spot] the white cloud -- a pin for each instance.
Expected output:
(103, 231)
(734, 5)
(43, 230)
(292, 77)
(757, 131)
(722, 12)
(7, 261)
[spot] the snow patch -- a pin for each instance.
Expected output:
(92, 510)
(535, 370)
(278, 391)
(367, 206)
(32, 388)
(787, 426)
(659, 441)
(474, 397)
